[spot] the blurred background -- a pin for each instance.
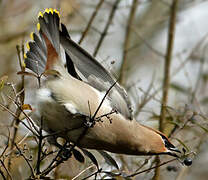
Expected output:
(130, 39)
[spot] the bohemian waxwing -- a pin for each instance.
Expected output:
(70, 100)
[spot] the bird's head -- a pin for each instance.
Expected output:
(170, 149)
(158, 143)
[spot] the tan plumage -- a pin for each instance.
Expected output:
(66, 100)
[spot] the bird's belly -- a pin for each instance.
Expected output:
(56, 118)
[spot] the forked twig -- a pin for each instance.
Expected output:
(93, 117)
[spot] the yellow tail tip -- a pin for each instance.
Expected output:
(23, 64)
(57, 12)
(49, 10)
(28, 46)
(32, 35)
(46, 10)
(40, 14)
(38, 26)
(25, 55)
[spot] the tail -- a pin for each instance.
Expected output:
(44, 48)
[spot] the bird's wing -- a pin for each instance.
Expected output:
(91, 71)
(37, 56)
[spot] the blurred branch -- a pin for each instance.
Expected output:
(21, 98)
(110, 18)
(166, 80)
(148, 45)
(156, 91)
(90, 21)
(127, 41)
(26, 160)
(146, 97)
(29, 120)
(137, 173)
(89, 167)
(6, 39)
(8, 173)
(40, 138)
(2, 174)
(185, 170)
(200, 74)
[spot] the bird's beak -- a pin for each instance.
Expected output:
(174, 149)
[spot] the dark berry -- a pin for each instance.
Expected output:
(187, 161)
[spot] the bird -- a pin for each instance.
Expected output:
(79, 100)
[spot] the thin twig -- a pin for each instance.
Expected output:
(8, 110)
(200, 73)
(90, 21)
(145, 97)
(110, 18)
(40, 137)
(26, 160)
(137, 173)
(105, 115)
(93, 174)
(197, 147)
(51, 166)
(145, 42)
(75, 177)
(29, 120)
(8, 173)
(18, 111)
(2, 174)
(107, 92)
(172, 75)
(127, 40)
(6, 147)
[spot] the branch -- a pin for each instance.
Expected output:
(26, 160)
(21, 99)
(166, 80)
(40, 137)
(135, 174)
(90, 21)
(106, 27)
(127, 40)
